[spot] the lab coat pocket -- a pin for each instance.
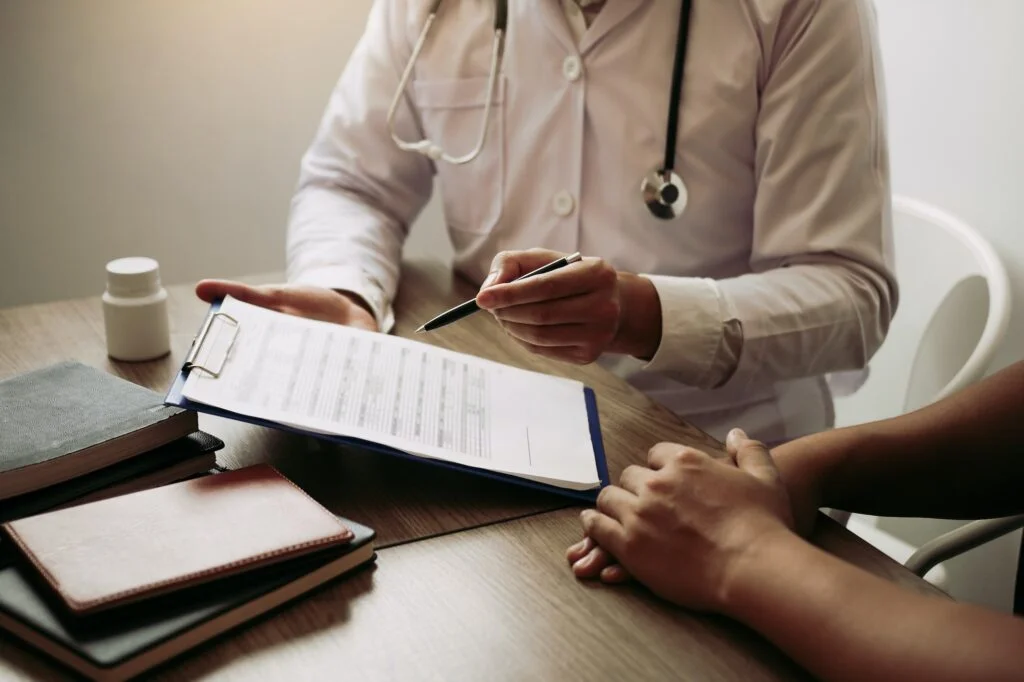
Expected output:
(452, 115)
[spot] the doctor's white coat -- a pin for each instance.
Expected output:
(786, 241)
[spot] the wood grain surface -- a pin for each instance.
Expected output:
(402, 500)
(478, 588)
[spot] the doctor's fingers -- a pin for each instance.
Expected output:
(508, 265)
(210, 290)
(274, 296)
(578, 355)
(588, 336)
(590, 274)
(587, 307)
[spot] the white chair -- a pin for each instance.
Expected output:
(953, 314)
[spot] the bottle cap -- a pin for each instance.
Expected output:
(135, 276)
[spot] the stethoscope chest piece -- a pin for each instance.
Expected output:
(664, 193)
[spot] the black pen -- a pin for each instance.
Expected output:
(469, 307)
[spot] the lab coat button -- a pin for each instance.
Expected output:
(563, 203)
(572, 68)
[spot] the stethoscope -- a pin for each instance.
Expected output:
(663, 191)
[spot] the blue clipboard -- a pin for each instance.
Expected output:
(175, 397)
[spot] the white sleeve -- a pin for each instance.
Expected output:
(822, 292)
(357, 192)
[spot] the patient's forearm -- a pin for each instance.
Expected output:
(842, 623)
(960, 458)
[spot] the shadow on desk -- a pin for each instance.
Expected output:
(274, 633)
(402, 500)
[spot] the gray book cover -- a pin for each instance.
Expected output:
(70, 407)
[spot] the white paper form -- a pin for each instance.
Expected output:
(411, 396)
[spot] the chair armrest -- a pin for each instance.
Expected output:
(961, 540)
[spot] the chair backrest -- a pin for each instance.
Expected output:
(953, 313)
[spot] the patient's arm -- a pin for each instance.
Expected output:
(960, 458)
(842, 623)
(714, 535)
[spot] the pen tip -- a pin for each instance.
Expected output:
(421, 329)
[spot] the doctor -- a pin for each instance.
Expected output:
(723, 168)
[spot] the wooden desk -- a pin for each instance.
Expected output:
(471, 583)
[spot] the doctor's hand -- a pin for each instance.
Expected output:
(684, 524)
(315, 303)
(575, 313)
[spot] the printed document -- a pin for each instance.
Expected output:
(423, 400)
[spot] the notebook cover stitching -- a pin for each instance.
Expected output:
(345, 534)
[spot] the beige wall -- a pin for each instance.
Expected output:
(169, 129)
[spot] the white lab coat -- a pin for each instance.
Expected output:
(781, 142)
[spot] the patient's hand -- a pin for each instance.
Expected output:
(588, 561)
(680, 524)
(315, 303)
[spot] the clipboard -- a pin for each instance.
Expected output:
(217, 336)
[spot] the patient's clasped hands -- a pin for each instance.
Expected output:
(686, 524)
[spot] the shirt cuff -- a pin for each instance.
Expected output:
(355, 281)
(694, 325)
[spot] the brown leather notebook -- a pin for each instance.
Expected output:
(119, 550)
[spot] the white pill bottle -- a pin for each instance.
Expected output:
(135, 310)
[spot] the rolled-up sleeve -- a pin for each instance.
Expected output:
(357, 192)
(821, 291)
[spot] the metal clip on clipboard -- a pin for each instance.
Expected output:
(211, 342)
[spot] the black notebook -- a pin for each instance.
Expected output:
(69, 419)
(184, 457)
(127, 641)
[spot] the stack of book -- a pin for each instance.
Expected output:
(122, 544)
(71, 434)
(115, 587)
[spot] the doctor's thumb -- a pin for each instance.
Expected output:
(504, 268)
(735, 440)
(492, 278)
(510, 265)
